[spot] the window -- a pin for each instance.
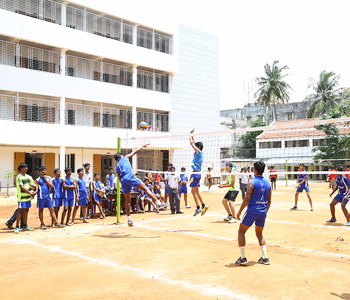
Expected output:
(71, 117)
(269, 145)
(299, 143)
(70, 162)
(318, 142)
(249, 120)
(289, 116)
(70, 71)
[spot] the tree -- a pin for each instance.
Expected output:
(272, 88)
(325, 94)
(249, 139)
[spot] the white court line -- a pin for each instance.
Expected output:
(201, 288)
(322, 253)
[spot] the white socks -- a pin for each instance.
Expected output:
(263, 251)
(242, 250)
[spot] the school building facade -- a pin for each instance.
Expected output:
(75, 76)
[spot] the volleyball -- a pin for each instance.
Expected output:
(143, 126)
(32, 186)
(100, 193)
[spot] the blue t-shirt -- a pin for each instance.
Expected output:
(110, 179)
(81, 187)
(259, 198)
(68, 194)
(149, 187)
(183, 178)
(136, 190)
(58, 191)
(343, 185)
(301, 178)
(43, 188)
(197, 161)
(123, 167)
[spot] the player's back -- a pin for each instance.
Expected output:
(259, 197)
(343, 185)
(123, 167)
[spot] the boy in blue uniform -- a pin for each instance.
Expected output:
(147, 199)
(81, 196)
(258, 200)
(343, 187)
(110, 177)
(57, 195)
(128, 180)
(183, 186)
(44, 198)
(196, 178)
(302, 184)
(69, 189)
(98, 189)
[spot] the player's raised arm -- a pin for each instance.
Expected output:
(131, 154)
(192, 142)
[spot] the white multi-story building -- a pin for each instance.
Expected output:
(75, 75)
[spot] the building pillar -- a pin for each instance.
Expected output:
(62, 159)
(84, 19)
(121, 31)
(134, 76)
(62, 111)
(18, 55)
(134, 35)
(134, 118)
(154, 121)
(101, 116)
(63, 62)
(153, 41)
(170, 82)
(101, 70)
(64, 14)
(154, 81)
(41, 9)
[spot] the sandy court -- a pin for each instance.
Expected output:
(180, 256)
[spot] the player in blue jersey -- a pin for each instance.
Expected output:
(183, 186)
(258, 200)
(148, 199)
(343, 187)
(302, 184)
(81, 196)
(110, 177)
(98, 192)
(44, 198)
(128, 180)
(57, 195)
(69, 190)
(196, 178)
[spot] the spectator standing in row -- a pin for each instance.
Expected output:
(243, 180)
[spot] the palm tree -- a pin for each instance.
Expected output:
(325, 94)
(272, 88)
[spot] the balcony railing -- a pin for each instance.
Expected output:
(98, 70)
(29, 57)
(80, 18)
(155, 121)
(152, 81)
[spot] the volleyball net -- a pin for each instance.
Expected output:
(282, 145)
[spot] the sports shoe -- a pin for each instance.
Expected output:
(204, 210)
(347, 224)
(233, 220)
(130, 223)
(164, 205)
(142, 211)
(180, 212)
(312, 208)
(332, 220)
(17, 230)
(294, 208)
(88, 217)
(241, 261)
(187, 206)
(59, 225)
(197, 211)
(28, 228)
(43, 227)
(228, 218)
(81, 219)
(9, 226)
(264, 261)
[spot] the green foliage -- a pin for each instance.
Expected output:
(272, 87)
(325, 96)
(249, 139)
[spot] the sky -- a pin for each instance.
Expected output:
(308, 36)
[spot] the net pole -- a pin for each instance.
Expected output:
(118, 190)
(286, 171)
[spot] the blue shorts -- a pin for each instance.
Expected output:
(44, 203)
(26, 204)
(68, 202)
(166, 190)
(301, 188)
(195, 180)
(97, 197)
(57, 202)
(183, 189)
(128, 182)
(252, 216)
(82, 200)
(340, 198)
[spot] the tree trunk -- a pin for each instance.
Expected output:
(274, 108)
